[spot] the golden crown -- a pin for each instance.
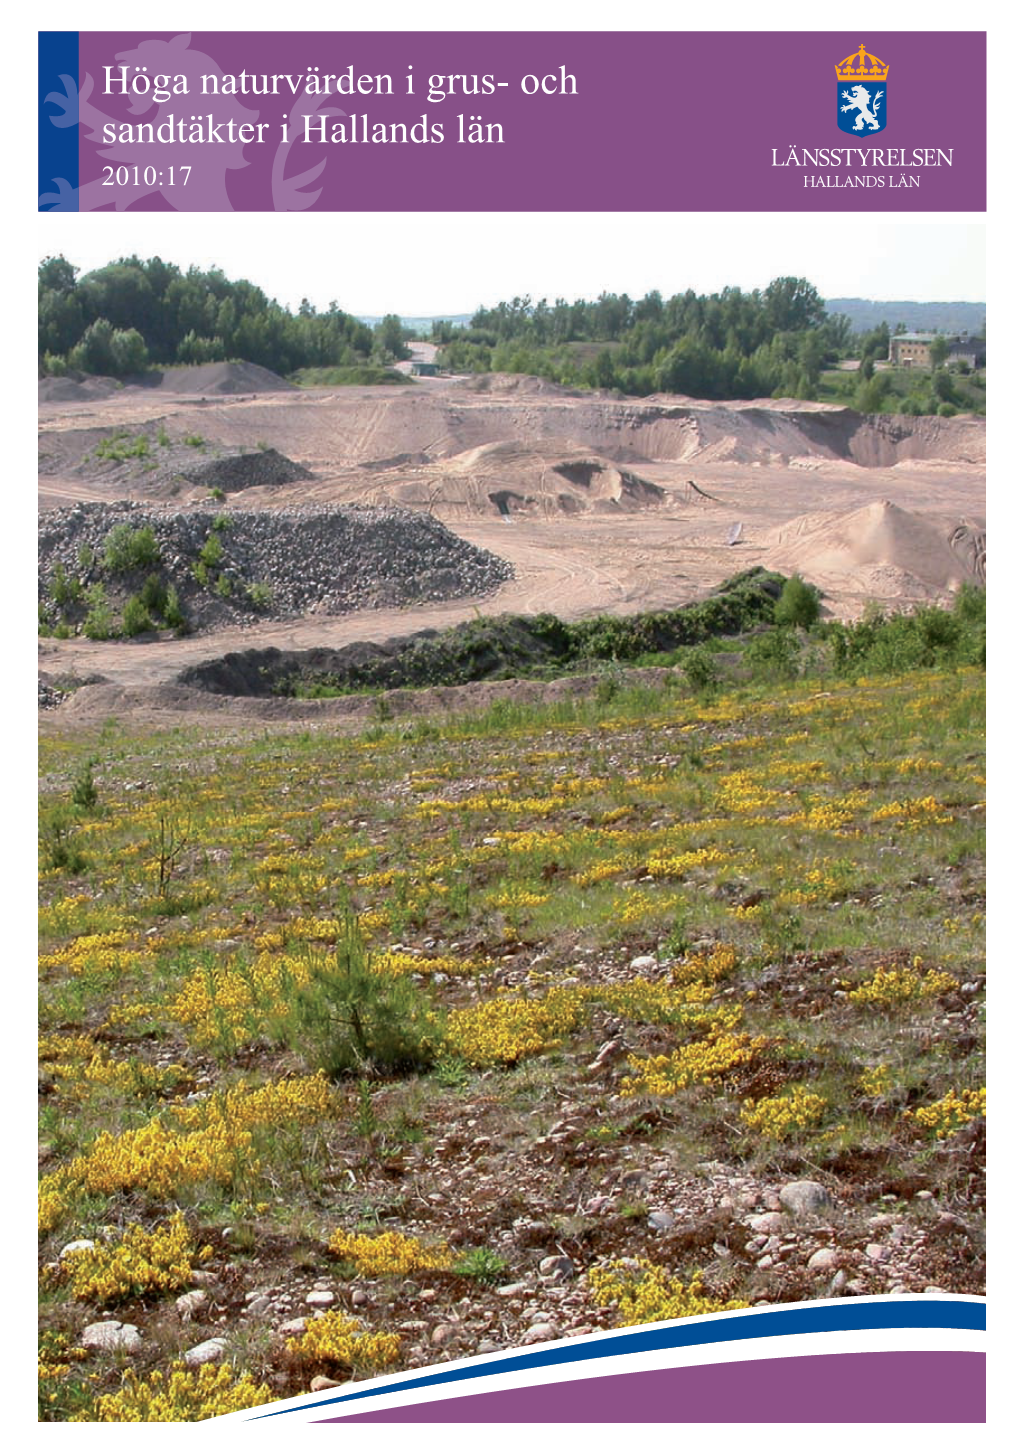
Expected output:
(860, 65)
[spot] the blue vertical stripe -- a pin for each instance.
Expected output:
(58, 144)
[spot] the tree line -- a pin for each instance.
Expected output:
(133, 314)
(734, 344)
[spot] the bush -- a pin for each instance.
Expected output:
(699, 670)
(925, 638)
(59, 846)
(349, 1018)
(153, 595)
(136, 618)
(798, 605)
(211, 554)
(65, 590)
(773, 654)
(99, 623)
(83, 792)
(173, 615)
(130, 549)
(259, 594)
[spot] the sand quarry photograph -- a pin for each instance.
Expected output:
(511, 822)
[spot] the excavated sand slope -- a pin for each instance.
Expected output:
(853, 545)
(386, 426)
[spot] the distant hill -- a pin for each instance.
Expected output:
(956, 316)
(418, 322)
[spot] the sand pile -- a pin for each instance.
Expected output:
(516, 478)
(878, 544)
(498, 383)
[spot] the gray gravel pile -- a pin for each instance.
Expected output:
(252, 468)
(304, 559)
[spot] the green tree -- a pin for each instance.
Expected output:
(938, 351)
(798, 605)
(390, 335)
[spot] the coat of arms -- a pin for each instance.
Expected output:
(861, 93)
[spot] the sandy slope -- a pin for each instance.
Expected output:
(601, 503)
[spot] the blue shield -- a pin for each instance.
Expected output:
(860, 106)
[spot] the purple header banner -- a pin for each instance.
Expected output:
(453, 121)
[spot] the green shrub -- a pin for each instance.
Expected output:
(153, 594)
(927, 637)
(259, 594)
(798, 605)
(699, 670)
(120, 447)
(969, 605)
(83, 792)
(130, 548)
(349, 1018)
(773, 655)
(99, 623)
(483, 1265)
(211, 554)
(173, 614)
(136, 618)
(65, 590)
(60, 851)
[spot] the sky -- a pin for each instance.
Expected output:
(422, 265)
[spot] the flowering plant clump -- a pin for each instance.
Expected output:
(902, 984)
(914, 813)
(645, 1292)
(80, 1064)
(56, 1352)
(182, 1395)
(777, 1117)
(209, 1141)
(102, 951)
(158, 1261)
(700, 1061)
(390, 1253)
(336, 1337)
(951, 1112)
(662, 1001)
(502, 1031)
(875, 1081)
(706, 966)
(409, 963)
(664, 864)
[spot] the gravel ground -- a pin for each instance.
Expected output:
(325, 560)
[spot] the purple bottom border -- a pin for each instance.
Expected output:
(855, 1387)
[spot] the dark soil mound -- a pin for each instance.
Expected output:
(71, 388)
(252, 468)
(222, 378)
